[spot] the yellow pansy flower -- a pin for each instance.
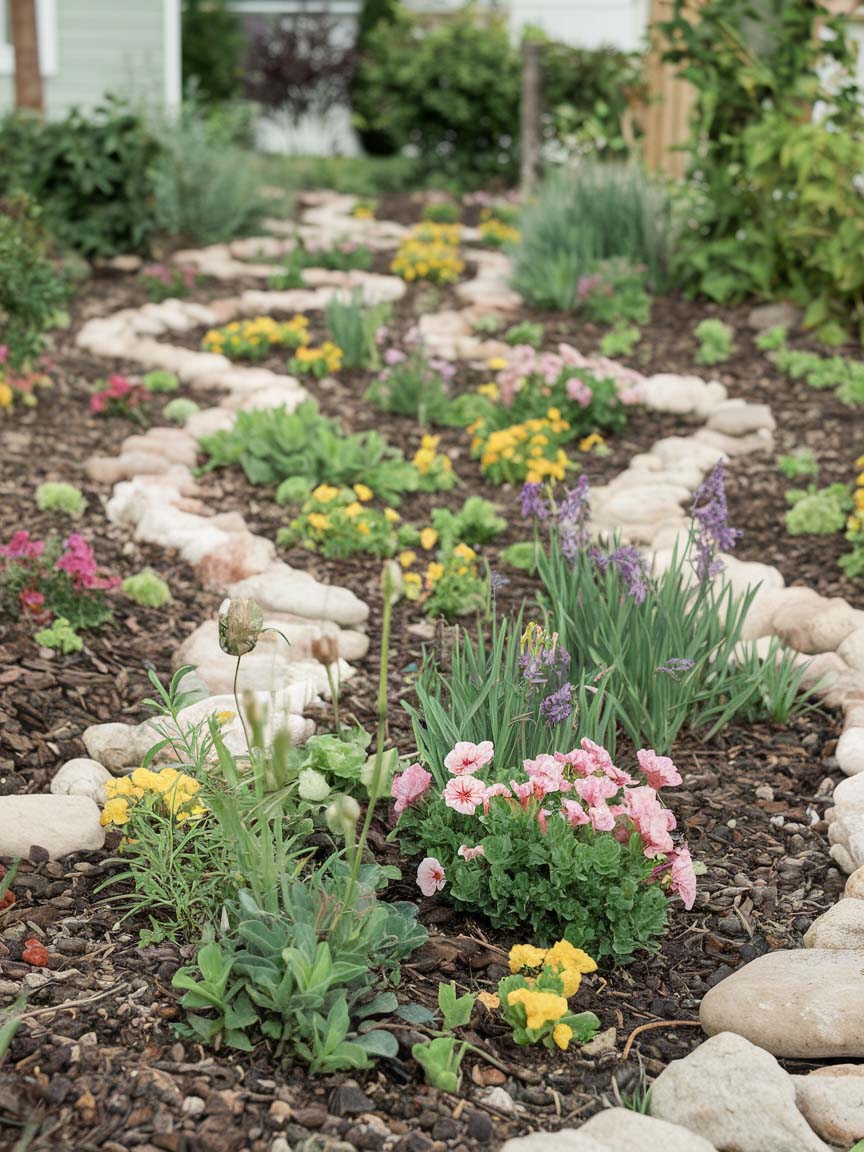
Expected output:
(354, 509)
(526, 956)
(362, 492)
(406, 558)
(562, 1034)
(540, 1007)
(496, 364)
(324, 493)
(391, 516)
(116, 811)
(428, 539)
(318, 521)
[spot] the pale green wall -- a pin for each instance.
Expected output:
(103, 46)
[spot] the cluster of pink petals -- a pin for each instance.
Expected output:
(79, 562)
(659, 771)
(467, 758)
(118, 388)
(22, 547)
(409, 786)
(471, 853)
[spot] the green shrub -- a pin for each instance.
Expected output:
(31, 289)
(448, 86)
(204, 185)
(522, 333)
(585, 216)
(61, 636)
(614, 293)
(59, 497)
(620, 341)
(147, 589)
(772, 339)
(91, 174)
(442, 212)
(818, 511)
(160, 381)
(213, 46)
(716, 342)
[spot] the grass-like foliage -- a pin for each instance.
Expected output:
(353, 327)
(584, 216)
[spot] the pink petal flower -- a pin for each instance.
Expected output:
(659, 771)
(431, 877)
(471, 853)
(601, 818)
(464, 794)
(467, 757)
(684, 876)
(652, 821)
(574, 813)
(409, 786)
(495, 790)
(596, 790)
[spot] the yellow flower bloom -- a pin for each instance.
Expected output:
(324, 493)
(562, 1034)
(116, 811)
(489, 390)
(354, 510)
(540, 1007)
(122, 786)
(589, 442)
(434, 572)
(428, 539)
(464, 552)
(362, 492)
(144, 778)
(391, 516)
(496, 364)
(318, 521)
(225, 717)
(565, 955)
(406, 558)
(412, 585)
(363, 528)
(526, 956)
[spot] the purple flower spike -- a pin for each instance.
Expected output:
(711, 519)
(630, 565)
(559, 706)
(533, 502)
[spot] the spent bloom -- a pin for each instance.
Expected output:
(467, 758)
(409, 786)
(711, 523)
(431, 876)
(471, 853)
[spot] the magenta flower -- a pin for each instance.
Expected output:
(431, 876)
(22, 547)
(32, 601)
(464, 794)
(467, 758)
(409, 786)
(79, 562)
(659, 771)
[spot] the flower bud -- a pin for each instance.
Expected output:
(325, 650)
(240, 624)
(342, 815)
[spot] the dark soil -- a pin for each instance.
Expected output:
(96, 1064)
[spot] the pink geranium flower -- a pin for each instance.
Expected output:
(574, 813)
(548, 773)
(431, 877)
(659, 771)
(22, 547)
(464, 794)
(652, 821)
(466, 757)
(471, 853)
(596, 790)
(409, 786)
(32, 600)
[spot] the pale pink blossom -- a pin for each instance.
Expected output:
(659, 771)
(550, 367)
(464, 794)
(596, 790)
(574, 813)
(601, 761)
(684, 876)
(409, 786)
(548, 773)
(495, 790)
(653, 822)
(431, 877)
(471, 853)
(601, 818)
(466, 757)
(579, 392)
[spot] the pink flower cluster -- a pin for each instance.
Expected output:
(601, 796)
(118, 389)
(525, 361)
(22, 547)
(79, 562)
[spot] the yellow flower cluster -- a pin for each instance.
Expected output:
(363, 211)
(496, 232)
(6, 395)
(460, 564)
(430, 252)
(255, 338)
(176, 790)
(594, 440)
(528, 451)
(318, 361)
(855, 523)
(567, 962)
(337, 522)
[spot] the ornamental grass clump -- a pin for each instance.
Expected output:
(568, 845)
(353, 327)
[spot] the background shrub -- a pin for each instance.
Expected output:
(585, 215)
(90, 175)
(214, 45)
(204, 187)
(31, 289)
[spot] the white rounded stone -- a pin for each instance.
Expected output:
(81, 777)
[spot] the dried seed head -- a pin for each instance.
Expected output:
(240, 624)
(325, 650)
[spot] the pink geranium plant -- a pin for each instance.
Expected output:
(569, 844)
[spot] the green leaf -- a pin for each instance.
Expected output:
(456, 1010)
(415, 1013)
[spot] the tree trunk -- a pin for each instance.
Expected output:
(530, 112)
(28, 78)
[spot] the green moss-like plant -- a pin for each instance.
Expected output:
(716, 342)
(161, 381)
(180, 409)
(147, 589)
(818, 511)
(61, 636)
(59, 497)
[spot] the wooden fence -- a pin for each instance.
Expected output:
(666, 117)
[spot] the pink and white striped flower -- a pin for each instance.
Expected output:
(464, 794)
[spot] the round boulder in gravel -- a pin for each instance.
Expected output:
(806, 1003)
(850, 751)
(119, 746)
(568, 1140)
(621, 1130)
(81, 777)
(736, 1096)
(842, 926)
(57, 824)
(832, 1102)
(854, 889)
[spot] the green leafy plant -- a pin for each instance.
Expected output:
(614, 293)
(772, 339)
(798, 464)
(411, 385)
(581, 218)
(91, 173)
(147, 589)
(336, 523)
(475, 524)
(353, 328)
(441, 212)
(61, 636)
(55, 496)
(488, 324)
(525, 332)
(716, 342)
(441, 1061)
(213, 47)
(818, 511)
(160, 381)
(274, 445)
(31, 287)
(620, 341)
(179, 410)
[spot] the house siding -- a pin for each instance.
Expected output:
(103, 46)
